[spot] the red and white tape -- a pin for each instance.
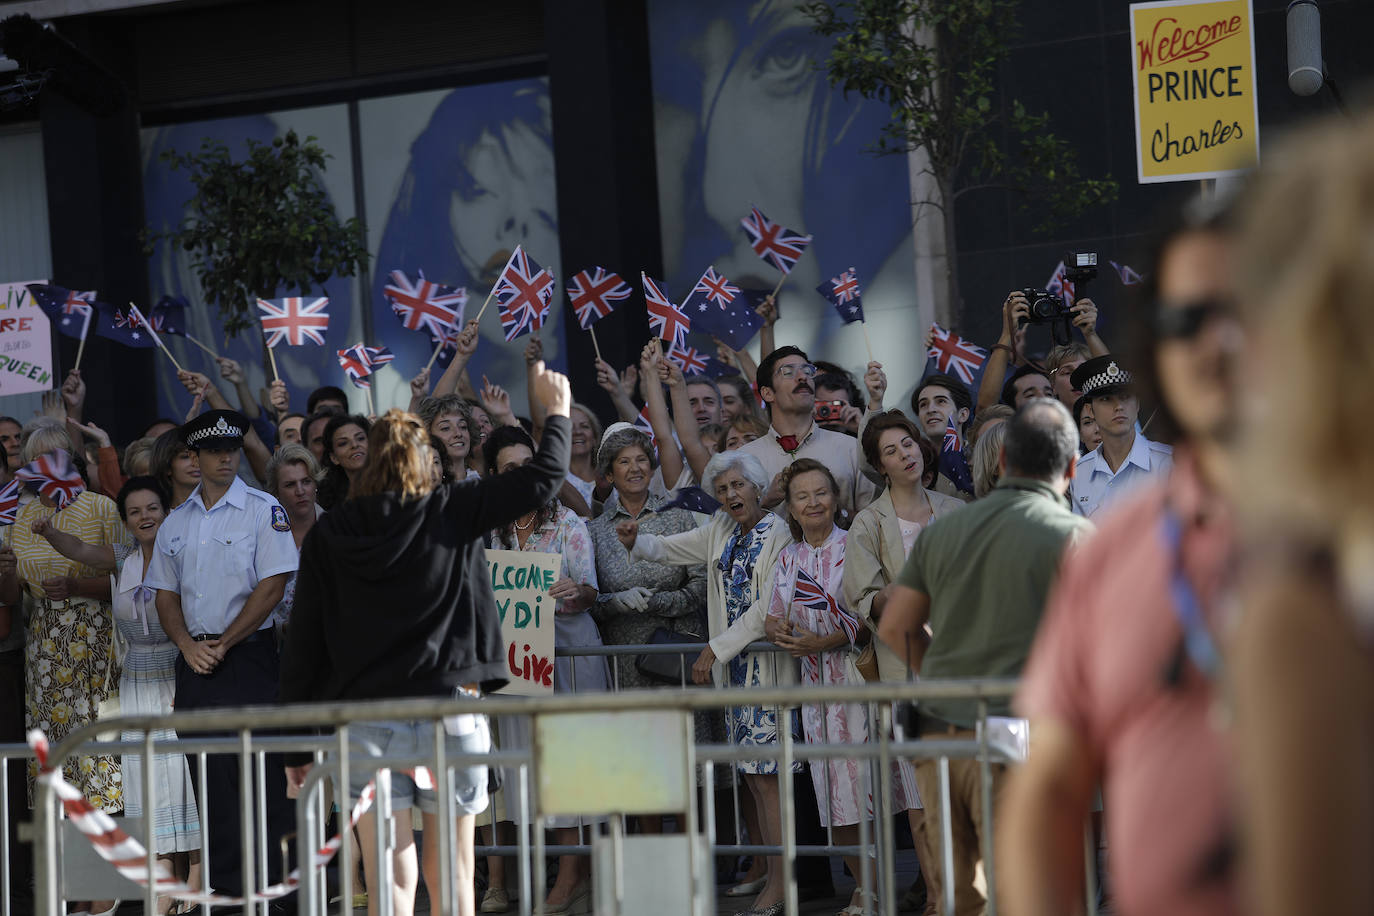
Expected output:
(130, 858)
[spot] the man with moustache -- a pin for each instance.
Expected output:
(787, 384)
(1125, 459)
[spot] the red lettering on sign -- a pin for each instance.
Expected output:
(1168, 42)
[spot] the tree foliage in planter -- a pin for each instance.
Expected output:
(934, 64)
(262, 223)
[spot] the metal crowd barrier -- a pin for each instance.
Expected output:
(336, 758)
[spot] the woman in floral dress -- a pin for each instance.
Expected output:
(69, 651)
(741, 546)
(807, 618)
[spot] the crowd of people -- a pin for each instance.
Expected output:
(1167, 604)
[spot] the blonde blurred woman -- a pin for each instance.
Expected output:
(1303, 657)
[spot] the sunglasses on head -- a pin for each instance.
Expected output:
(1184, 322)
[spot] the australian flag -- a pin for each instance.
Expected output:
(169, 315)
(733, 322)
(953, 464)
(693, 499)
(124, 326)
(843, 293)
(68, 310)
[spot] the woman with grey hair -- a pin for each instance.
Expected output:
(639, 597)
(292, 477)
(741, 545)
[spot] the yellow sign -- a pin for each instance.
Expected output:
(1193, 64)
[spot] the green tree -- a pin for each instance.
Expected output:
(934, 64)
(261, 224)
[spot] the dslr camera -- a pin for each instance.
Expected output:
(1080, 267)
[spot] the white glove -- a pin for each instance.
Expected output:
(631, 601)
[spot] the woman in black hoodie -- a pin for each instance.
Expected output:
(393, 599)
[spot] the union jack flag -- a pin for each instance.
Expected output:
(774, 242)
(524, 291)
(843, 293)
(360, 361)
(716, 288)
(1127, 274)
(593, 291)
(53, 476)
(294, 320)
(643, 425)
(9, 502)
(808, 593)
(423, 305)
(447, 342)
(669, 321)
(954, 355)
(1059, 285)
(689, 360)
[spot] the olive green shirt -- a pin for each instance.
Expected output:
(987, 570)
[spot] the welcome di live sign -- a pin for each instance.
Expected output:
(1193, 64)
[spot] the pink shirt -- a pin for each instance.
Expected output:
(1098, 666)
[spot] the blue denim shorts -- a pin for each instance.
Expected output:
(395, 738)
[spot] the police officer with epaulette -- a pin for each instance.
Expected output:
(220, 566)
(1125, 459)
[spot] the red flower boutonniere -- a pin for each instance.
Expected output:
(789, 443)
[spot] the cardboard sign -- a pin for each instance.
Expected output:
(521, 581)
(1193, 65)
(26, 357)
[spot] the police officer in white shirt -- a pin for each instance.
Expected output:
(220, 566)
(1125, 458)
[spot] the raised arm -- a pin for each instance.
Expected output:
(619, 388)
(1015, 310)
(683, 419)
(669, 457)
(462, 353)
(73, 548)
(502, 498)
(768, 308)
(1085, 319)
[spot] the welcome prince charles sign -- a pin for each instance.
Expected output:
(1193, 66)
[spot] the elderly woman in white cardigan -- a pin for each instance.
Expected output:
(740, 547)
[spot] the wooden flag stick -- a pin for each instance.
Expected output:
(207, 349)
(371, 405)
(435, 355)
(85, 330)
(781, 281)
(487, 303)
(591, 330)
(867, 341)
(272, 359)
(156, 339)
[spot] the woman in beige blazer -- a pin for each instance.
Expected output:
(879, 541)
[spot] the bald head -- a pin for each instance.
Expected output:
(1041, 442)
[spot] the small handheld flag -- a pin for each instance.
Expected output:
(843, 293)
(668, 321)
(808, 593)
(774, 242)
(693, 499)
(359, 362)
(523, 292)
(953, 464)
(953, 355)
(593, 293)
(733, 321)
(689, 360)
(124, 326)
(69, 310)
(1127, 274)
(53, 477)
(9, 501)
(425, 306)
(294, 320)
(1060, 285)
(712, 290)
